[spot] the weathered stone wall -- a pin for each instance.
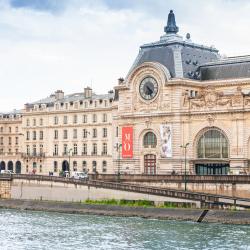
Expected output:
(56, 191)
(5, 189)
(230, 189)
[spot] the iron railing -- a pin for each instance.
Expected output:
(175, 193)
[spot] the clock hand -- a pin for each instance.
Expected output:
(150, 91)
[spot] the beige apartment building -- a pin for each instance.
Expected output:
(11, 139)
(180, 108)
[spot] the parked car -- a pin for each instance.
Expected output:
(3, 171)
(79, 176)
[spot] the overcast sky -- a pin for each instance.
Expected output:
(47, 45)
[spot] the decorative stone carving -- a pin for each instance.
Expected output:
(237, 98)
(211, 119)
(210, 96)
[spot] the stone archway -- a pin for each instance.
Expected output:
(18, 167)
(10, 166)
(212, 152)
(2, 165)
(65, 166)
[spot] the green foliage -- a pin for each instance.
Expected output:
(137, 203)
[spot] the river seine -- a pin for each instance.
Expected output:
(42, 230)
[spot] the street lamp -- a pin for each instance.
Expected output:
(69, 157)
(117, 147)
(185, 172)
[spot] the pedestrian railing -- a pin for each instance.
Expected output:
(175, 193)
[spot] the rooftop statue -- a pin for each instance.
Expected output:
(171, 25)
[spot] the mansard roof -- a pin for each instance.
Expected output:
(181, 57)
(72, 98)
(227, 68)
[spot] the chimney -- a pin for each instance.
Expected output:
(88, 92)
(59, 94)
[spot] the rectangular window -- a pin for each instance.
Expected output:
(41, 135)
(34, 122)
(65, 134)
(75, 119)
(104, 149)
(75, 149)
(28, 150)
(34, 150)
(16, 140)
(75, 134)
(94, 118)
(84, 133)
(105, 132)
(41, 149)
(27, 122)
(84, 119)
(94, 149)
(27, 135)
(84, 149)
(65, 149)
(55, 150)
(94, 132)
(55, 120)
(55, 134)
(104, 117)
(41, 122)
(65, 119)
(9, 140)
(34, 135)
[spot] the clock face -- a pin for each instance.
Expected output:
(148, 88)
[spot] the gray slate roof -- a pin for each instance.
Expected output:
(72, 98)
(192, 56)
(228, 68)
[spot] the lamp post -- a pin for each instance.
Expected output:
(117, 147)
(69, 157)
(185, 164)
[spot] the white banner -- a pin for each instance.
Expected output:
(166, 140)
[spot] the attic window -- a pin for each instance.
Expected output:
(110, 100)
(71, 103)
(81, 102)
(100, 101)
(62, 104)
(90, 102)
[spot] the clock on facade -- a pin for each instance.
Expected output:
(148, 88)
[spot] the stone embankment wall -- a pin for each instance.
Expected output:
(57, 191)
(5, 189)
(228, 189)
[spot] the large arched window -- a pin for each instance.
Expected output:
(149, 140)
(212, 144)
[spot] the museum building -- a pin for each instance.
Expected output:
(182, 107)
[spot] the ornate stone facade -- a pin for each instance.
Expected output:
(189, 110)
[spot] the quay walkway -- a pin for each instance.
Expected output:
(206, 199)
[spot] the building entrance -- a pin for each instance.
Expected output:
(212, 169)
(150, 164)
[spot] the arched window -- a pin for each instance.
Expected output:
(149, 140)
(212, 144)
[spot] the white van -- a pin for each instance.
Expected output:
(79, 176)
(3, 171)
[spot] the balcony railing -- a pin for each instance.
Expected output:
(33, 155)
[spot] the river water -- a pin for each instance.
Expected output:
(43, 230)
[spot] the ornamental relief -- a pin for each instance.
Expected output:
(210, 98)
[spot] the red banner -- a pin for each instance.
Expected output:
(127, 142)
